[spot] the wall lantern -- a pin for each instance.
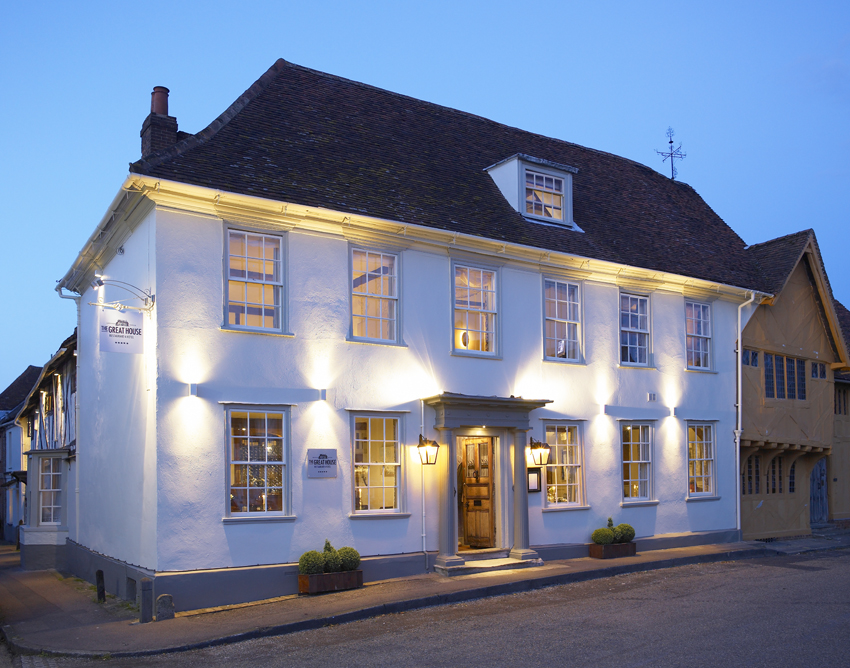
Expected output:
(539, 452)
(427, 450)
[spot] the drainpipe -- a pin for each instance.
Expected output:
(422, 471)
(738, 422)
(76, 299)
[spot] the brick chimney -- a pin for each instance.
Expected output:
(159, 131)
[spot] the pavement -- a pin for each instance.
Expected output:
(44, 612)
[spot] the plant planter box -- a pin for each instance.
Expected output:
(319, 583)
(612, 551)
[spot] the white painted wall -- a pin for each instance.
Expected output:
(116, 447)
(190, 463)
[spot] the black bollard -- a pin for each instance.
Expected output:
(101, 590)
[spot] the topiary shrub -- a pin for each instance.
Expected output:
(602, 536)
(626, 533)
(611, 523)
(349, 557)
(333, 564)
(311, 562)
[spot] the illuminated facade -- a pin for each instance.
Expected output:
(331, 286)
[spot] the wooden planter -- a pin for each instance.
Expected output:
(612, 551)
(319, 583)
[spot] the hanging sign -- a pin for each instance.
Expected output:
(121, 332)
(321, 463)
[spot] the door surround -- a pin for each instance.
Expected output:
(458, 413)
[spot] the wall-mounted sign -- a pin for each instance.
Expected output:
(121, 332)
(321, 463)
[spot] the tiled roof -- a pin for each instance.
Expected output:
(19, 389)
(844, 321)
(778, 257)
(302, 136)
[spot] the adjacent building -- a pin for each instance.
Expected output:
(47, 419)
(793, 345)
(12, 463)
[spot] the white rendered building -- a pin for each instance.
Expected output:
(331, 269)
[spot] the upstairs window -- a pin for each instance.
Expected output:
(784, 377)
(254, 280)
(819, 370)
(750, 358)
(475, 310)
(562, 320)
(374, 296)
(698, 338)
(634, 329)
(544, 195)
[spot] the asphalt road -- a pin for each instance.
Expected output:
(780, 611)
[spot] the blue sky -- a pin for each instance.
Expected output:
(758, 94)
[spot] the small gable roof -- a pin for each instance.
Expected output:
(310, 138)
(778, 257)
(18, 390)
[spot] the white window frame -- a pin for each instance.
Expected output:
(458, 346)
(277, 287)
(559, 458)
(699, 461)
(631, 330)
(54, 478)
(399, 464)
(644, 459)
(573, 318)
(698, 331)
(284, 463)
(395, 338)
(549, 194)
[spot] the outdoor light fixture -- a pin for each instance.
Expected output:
(193, 389)
(144, 295)
(539, 452)
(427, 450)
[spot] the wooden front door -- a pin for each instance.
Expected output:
(479, 521)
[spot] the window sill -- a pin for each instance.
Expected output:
(696, 370)
(561, 360)
(561, 509)
(258, 520)
(477, 356)
(376, 342)
(630, 504)
(377, 516)
(285, 335)
(636, 366)
(708, 497)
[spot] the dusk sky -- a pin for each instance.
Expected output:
(758, 94)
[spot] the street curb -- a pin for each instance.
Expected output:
(502, 589)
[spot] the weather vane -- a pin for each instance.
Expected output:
(674, 154)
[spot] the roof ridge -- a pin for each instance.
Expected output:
(146, 163)
(808, 232)
(260, 85)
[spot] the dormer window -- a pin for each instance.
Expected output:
(544, 195)
(541, 190)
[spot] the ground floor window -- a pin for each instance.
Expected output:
(257, 456)
(774, 476)
(377, 464)
(750, 476)
(637, 460)
(700, 459)
(564, 475)
(792, 478)
(50, 490)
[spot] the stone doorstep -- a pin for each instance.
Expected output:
(485, 553)
(487, 566)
